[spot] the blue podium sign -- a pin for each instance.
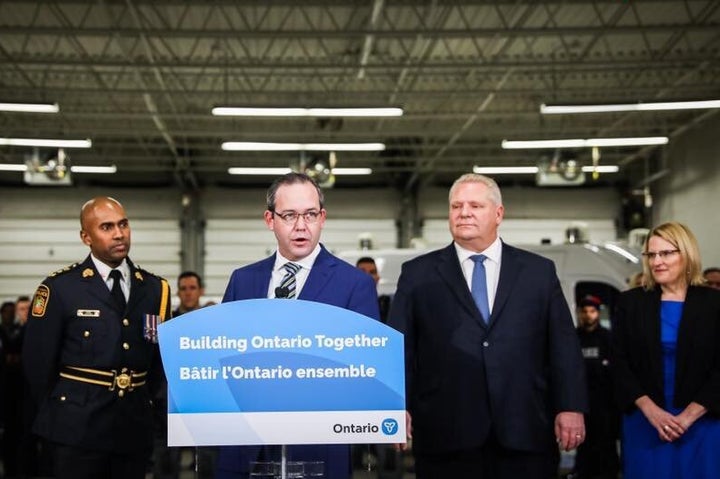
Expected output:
(279, 371)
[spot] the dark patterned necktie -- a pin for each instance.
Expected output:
(289, 282)
(479, 286)
(116, 290)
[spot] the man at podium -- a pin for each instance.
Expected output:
(301, 268)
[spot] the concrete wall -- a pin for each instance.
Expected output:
(690, 193)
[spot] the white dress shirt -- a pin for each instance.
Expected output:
(104, 271)
(493, 254)
(301, 276)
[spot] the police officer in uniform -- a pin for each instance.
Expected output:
(91, 356)
(597, 457)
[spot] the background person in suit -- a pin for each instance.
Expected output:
(296, 215)
(666, 363)
(91, 356)
(489, 395)
(167, 461)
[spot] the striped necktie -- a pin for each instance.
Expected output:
(289, 282)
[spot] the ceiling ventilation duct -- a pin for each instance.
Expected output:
(319, 168)
(51, 169)
(559, 171)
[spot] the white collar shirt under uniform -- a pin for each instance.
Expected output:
(492, 267)
(104, 271)
(278, 272)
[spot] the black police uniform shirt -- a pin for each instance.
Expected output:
(74, 323)
(595, 346)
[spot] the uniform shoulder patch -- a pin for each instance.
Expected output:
(40, 301)
(64, 270)
(140, 274)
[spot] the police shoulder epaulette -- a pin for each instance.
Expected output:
(140, 274)
(63, 270)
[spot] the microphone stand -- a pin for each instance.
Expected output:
(282, 293)
(283, 461)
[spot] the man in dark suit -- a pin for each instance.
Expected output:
(91, 356)
(301, 268)
(493, 394)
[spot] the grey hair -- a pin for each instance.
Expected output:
(493, 188)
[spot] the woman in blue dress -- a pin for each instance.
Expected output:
(666, 363)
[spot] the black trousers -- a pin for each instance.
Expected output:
(490, 461)
(72, 462)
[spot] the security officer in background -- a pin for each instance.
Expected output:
(597, 457)
(91, 356)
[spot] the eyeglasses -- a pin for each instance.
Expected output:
(651, 255)
(291, 217)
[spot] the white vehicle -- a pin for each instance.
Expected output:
(585, 268)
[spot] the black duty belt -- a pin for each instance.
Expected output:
(125, 380)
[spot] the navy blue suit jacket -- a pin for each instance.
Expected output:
(331, 281)
(465, 378)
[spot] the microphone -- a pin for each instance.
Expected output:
(282, 292)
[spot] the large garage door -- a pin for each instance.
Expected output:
(231, 243)
(30, 249)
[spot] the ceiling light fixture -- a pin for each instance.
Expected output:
(30, 107)
(258, 171)
(351, 171)
(531, 170)
(284, 171)
(307, 112)
(259, 146)
(74, 169)
(94, 169)
(12, 167)
(657, 106)
(45, 143)
(580, 143)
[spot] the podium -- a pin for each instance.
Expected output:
(240, 373)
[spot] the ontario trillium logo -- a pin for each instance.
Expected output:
(389, 426)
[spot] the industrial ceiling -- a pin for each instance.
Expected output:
(140, 77)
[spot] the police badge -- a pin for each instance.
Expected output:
(150, 328)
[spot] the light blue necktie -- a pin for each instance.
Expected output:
(479, 286)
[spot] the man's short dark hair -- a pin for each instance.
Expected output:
(190, 274)
(365, 259)
(291, 179)
(22, 298)
(712, 269)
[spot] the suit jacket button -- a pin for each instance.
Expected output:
(126, 322)
(62, 398)
(126, 346)
(486, 344)
(86, 334)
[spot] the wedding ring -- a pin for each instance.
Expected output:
(578, 436)
(666, 427)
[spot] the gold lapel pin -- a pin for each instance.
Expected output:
(88, 272)
(138, 276)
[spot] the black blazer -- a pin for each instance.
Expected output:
(637, 353)
(463, 377)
